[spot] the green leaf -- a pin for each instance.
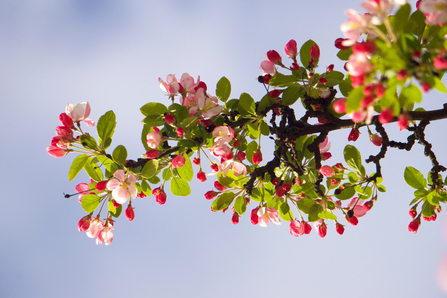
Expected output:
(153, 120)
(414, 178)
(280, 80)
(401, 17)
(117, 213)
(77, 166)
(167, 174)
(344, 54)
(179, 187)
(112, 208)
(305, 52)
(439, 85)
(345, 87)
(223, 89)
(284, 212)
(93, 171)
(223, 201)
(353, 158)
(428, 209)
(314, 211)
(186, 171)
(240, 205)
(410, 94)
(108, 163)
(346, 193)
(153, 108)
(90, 202)
(305, 204)
(354, 99)
(418, 21)
(247, 103)
(334, 78)
(292, 93)
(146, 188)
(106, 127)
(180, 112)
(433, 198)
(251, 148)
(381, 188)
(149, 169)
(266, 101)
(119, 155)
(88, 142)
(327, 215)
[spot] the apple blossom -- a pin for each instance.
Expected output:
(84, 223)
(83, 189)
(123, 186)
(296, 228)
(105, 236)
(95, 227)
(153, 139)
(414, 225)
(130, 214)
(80, 112)
(434, 10)
(178, 161)
(376, 139)
(66, 120)
(291, 49)
(356, 25)
(171, 86)
(268, 213)
(327, 171)
(257, 157)
(268, 67)
(274, 57)
(57, 151)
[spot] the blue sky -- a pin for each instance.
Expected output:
(111, 54)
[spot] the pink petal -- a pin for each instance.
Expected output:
(120, 195)
(112, 184)
(119, 174)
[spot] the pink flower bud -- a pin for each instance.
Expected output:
(291, 49)
(196, 161)
(275, 93)
(376, 139)
(241, 155)
(219, 186)
(366, 101)
(130, 215)
(330, 68)
(115, 203)
(426, 87)
(326, 155)
(101, 185)
(169, 119)
(322, 230)
(327, 171)
(180, 131)
(151, 154)
(339, 166)
(366, 47)
(276, 181)
(64, 131)
(353, 220)
(414, 225)
(57, 152)
(201, 176)
(280, 192)
(298, 181)
(368, 205)
(386, 115)
(84, 223)
(402, 74)
(354, 135)
(296, 228)
(235, 218)
(141, 195)
(294, 67)
(307, 227)
(274, 57)
(339, 43)
(340, 106)
(402, 121)
(66, 120)
(322, 80)
(257, 157)
(160, 195)
(215, 167)
(254, 218)
(315, 52)
(440, 62)
(178, 161)
(335, 181)
(286, 187)
(210, 195)
(339, 228)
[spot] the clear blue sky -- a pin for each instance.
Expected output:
(111, 54)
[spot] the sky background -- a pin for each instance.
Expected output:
(111, 54)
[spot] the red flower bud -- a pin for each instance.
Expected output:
(386, 115)
(180, 131)
(402, 122)
(315, 52)
(330, 68)
(101, 185)
(115, 204)
(353, 220)
(201, 176)
(339, 45)
(130, 215)
(291, 49)
(196, 161)
(322, 230)
(279, 192)
(169, 119)
(235, 218)
(219, 186)
(376, 139)
(414, 225)
(211, 195)
(84, 223)
(151, 154)
(413, 213)
(322, 80)
(286, 187)
(254, 218)
(307, 227)
(339, 228)
(368, 205)
(402, 74)
(241, 155)
(340, 106)
(274, 57)
(257, 157)
(354, 135)
(66, 120)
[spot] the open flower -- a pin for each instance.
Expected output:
(80, 112)
(122, 186)
(268, 213)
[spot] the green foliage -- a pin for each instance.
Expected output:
(414, 178)
(292, 93)
(106, 128)
(90, 202)
(119, 155)
(77, 166)
(223, 89)
(246, 105)
(179, 187)
(305, 52)
(223, 201)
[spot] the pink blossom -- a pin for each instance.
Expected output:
(66, 120)
(160, 195)
(236, 167)
(201, 176)
(105, 236)
(359, 64)
(402, 122)
(95, 227)
(296, 228)
(291, 49)
(414, 225)
(80, 112)
(153, 139)
(325, 145)
(327, 171)
(268, 213)
(268, 67)
(178, 161)
(380, 9)
(356, 25)
(254, 218)
(171, 86)
(235, 218)
(359, 115)
(339, 228)
(123, 186)
(187, 82)
(151, 154)
(57, 152)
(83, 189)
(366, 47)
(440, 62)
(376, 139)
(434, 10)
(340, 106)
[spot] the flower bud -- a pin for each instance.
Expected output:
(386, 115)
(294, 67)
(340, 106)
(296, 228)
(368, 205)
(322, 230)
(354, 135)
(115, 204)
(178, 161)
(219, 186)
(291, 49)
(235, 218)
(402, 74)
(440, 62)
(257, 157)
(66, 120)
(169, 119)
(180, 131)
(339, 44)
(307, 227)
(101, 185)
(339, 228)
(151, 154)
(210, 195)
(413, 213)
(279, 192)
(376, 139)
(196, 161)
(322, 80)
(275, 93)
(353, 220)
(315, 52)
(84, 223)
(286, 187)
(201, 176)
(254, 218)
(402, 122)
(414, 225)
(274, 57)
(327, 171)
(130, 215)
(330, 68)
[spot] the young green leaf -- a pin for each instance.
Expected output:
(106, 127)
(305, 52)
(179, 187)
(223, 89)
(90, 202)
(223, 201)
(76, 166)
(119, 155)
(414, 178)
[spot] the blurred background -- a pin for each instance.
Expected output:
(111, 53)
